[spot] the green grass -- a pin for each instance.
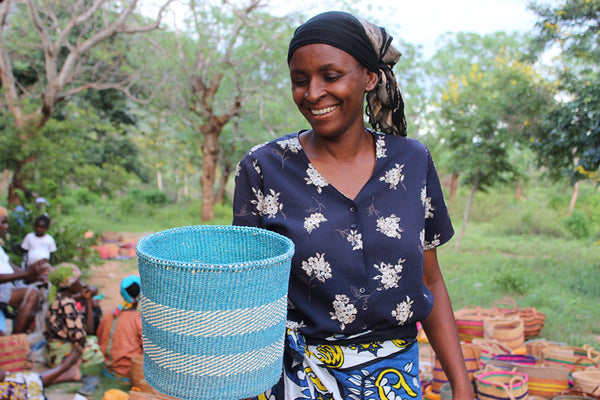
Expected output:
(556, 276)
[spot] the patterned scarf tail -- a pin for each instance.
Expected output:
(385, 105)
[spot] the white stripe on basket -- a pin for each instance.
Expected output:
(221, 365)
(213, 323)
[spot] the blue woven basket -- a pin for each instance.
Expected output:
(213, 304)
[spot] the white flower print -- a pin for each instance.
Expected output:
(293, 325)
(389, 226)
(403, 311)
(267, 205)
(317, 267)
(238, 169)
(312, 222)
(422, 237)
(380, 147)
(355, 238)
(344, 311)
(314, 178)
(427, 203)
(258, 146)
(394, 176)
(257, 167)
(390, 274)
(433, 244)
(259, 202)
(272, 205)
(292, 144)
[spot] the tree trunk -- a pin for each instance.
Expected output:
(5, 178)
(223, 185)
(159, 181)
(453, 189)
(519, 191)
(474, 187)
(210, 151)
(19, 180)
(574, 196)
(453, 185)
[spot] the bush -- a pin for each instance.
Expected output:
(68, 233)
(152, 196)
(577, 225)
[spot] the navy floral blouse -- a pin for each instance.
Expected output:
(358, 265)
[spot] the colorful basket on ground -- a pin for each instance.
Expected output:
(213, 304)
(502, 385)
(544, 381)
(469, 322)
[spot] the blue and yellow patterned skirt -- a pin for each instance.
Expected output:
(379, 370)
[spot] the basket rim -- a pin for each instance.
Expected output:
(483, 378)
(199, 266)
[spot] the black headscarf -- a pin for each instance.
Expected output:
(371, 46)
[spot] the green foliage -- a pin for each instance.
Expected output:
(569, 144)
(489, 103)
(68, 233)
(151, 196)
(512, 279)
(577, 224)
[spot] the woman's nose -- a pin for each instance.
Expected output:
(315, 90)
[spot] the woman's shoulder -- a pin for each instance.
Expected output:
(401, 144)
(283, 143)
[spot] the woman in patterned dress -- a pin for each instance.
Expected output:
(366, 212)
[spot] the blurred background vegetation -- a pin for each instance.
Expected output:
(125, 122)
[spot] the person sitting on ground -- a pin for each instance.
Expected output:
(39, 238)
(65, 325)
(27, 385)
(120, 332)
(15, 294)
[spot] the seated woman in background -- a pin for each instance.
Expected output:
(65, 325)
(28, 385)
(120, 332)
(23, 299)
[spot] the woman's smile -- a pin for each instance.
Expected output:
(322, 111)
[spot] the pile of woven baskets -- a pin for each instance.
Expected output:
(507, 360)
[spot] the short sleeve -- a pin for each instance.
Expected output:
(247, 193)
(51, 244)
(438, 226)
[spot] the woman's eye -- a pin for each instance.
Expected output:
(299, 82)
(331, 78)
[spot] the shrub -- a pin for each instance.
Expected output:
(68, 233)
(152, 196)
(577, 225)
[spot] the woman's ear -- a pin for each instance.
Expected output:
(372, 80)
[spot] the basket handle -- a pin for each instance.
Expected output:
(509, 305)
(506, 388)
(578, 367)
(592, 353)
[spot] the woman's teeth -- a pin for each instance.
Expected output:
(322, 110)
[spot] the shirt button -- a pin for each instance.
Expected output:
(352, 209)
(365, 307)
(361, 290)
(364, 327)
(353, 226)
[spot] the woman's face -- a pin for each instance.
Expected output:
(3, 225)
(328, 86)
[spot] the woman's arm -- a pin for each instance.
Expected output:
(441, 331)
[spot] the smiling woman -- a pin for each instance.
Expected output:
(365, 211)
